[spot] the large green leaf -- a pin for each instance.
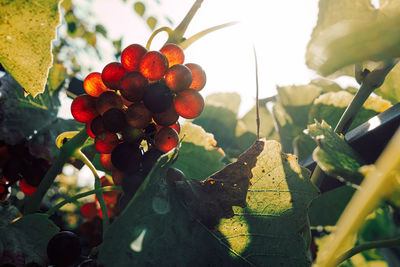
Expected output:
(327, 208)
(345, 27)
(198, 155)
(26, 238)
(390, 89)
(26, 30)
(333, 155)
(330, 107)
(269, 229)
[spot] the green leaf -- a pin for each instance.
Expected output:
(151, 22)
(390, 89)
(333, 155)
(219, 117)
(327, 208)
(330, 107)
(56, 78)
(7, 214)
(303, 146)
(343, 29)
(139, 8)
(100, 29)
(276, 213)
(26, 30)
(198, 155)
(28, 237)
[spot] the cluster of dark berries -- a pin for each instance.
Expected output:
(18, 165)
(131, 109)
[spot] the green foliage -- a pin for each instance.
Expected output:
(390, 89)
(333, 155)
(26, 30)
(26, 237)
(276, 212)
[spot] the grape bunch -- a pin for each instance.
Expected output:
(132, 108)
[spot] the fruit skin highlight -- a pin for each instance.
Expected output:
(189, 104)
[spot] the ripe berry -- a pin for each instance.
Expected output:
(199, 76)
(167, 117)
(126, 157)
(157, 97)
(166, 139)
(106, 142)
(189, 104)
(178, 78)
(88, 130)
(131, 56)
(173, 53)
(114, 120)
(108, 100)
(110, 197)
(117, 177)
(153, 65)
(112, 73)
(176, 126)
(64, 249)
(83, 108)
(96, 126)
(93, 84)
(150, 157)
(89, 210)
(138, 116)
(132, 86)
(105, 161)
(26, 188)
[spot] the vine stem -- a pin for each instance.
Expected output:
(81, 195)
(97, 186)
(370, 245)
(371, 81)
(32, 203)
(257, 104)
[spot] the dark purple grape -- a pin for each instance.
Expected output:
(126, 157)
(96, 126)
(131, 182)
(157, 97)
(114, 120)
(64, 249)
(150, 157)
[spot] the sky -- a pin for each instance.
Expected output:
(279, 30)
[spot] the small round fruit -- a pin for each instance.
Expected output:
(89, 210)
(126, 157)
(153, 65)
(93, 84)
(138, 116)
(106, 142)
(199, 76)
(173, 53)
(157, 97)
(150, 157)
(189, 104)
(178, 78)
(167, 117)
(176, 126)
(26, 188)
(132, 86)
(83, 108)
(108, 100)
(114, 120)
(131, 56)
(105, 161)
(112, 73)
(96, 126)
(64, 249)
(166, 139)
(88, 130)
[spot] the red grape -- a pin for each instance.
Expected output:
(26, 188)
(112, 73)
(83, 108)
(173, 53)
(167, 117)
(138, 116)
(96, 126)
(178, 78)
(106, 142)
(105, 161)
(176, 126)
(88, 130)
(110, 197)
(126, 157)
(93, 84)
(89, 210)
(108, 100)
(189, 104)
(199, 76)
(153, 65)
(132, 86)
(157, 97)
(131, 56)
(114, 120)
(166, 139)
(117, 176)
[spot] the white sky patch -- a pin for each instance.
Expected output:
(136, 245)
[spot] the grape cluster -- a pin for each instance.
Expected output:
(17, 165)
(132, 108)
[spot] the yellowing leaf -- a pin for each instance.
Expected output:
(26, 31)
(390, 89)
(139, 8)
(151, 22)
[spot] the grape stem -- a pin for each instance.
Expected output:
(97, 186)
(32, 203)
(370, 245)
(371, 81)
(81, 195)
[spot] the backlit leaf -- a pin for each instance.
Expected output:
(139, 8)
